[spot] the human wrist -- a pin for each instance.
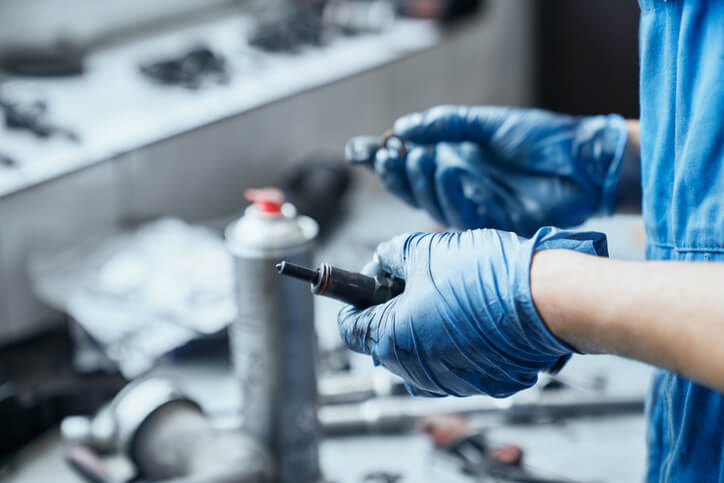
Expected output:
(558, 282)
(565, 245)
(545, 273)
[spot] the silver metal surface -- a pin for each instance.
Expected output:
(355, 16)
(166, 436)
(135, 403)
(273, 342)
(394, 415)
(178, 443)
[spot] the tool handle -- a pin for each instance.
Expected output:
(355, 288)
(387, 288)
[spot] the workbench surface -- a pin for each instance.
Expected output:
(591, 449)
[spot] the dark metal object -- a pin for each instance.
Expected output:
(56, 62)
(32, 117)
(7, 161)
(190, 70)
(349, 287)
(37, 392)
(297, 27)
(297, 271)
(382, 477)
(316, 187)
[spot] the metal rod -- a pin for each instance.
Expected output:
(297, 271)
(397, 414)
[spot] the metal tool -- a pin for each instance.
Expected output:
(359, 386)
(396, 414)
(7, 161)
(355, 17)
(349, 287)
(166, 436)
(191, 70)
(61, 60)
(289, 30)
(273, 340)
(455, 436)
(362, 149)
(32, 117)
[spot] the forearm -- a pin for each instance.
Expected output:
(670, 314)
(628, 194)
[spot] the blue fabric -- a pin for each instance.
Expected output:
(466, 323)
(682, 108)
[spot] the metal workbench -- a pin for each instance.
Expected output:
(590, 449)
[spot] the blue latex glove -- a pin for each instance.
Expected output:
(509, 169)
(465, 323)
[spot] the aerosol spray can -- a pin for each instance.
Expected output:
(274, 346)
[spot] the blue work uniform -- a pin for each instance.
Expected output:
(682, 155)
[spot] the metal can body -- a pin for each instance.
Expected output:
(274, 346)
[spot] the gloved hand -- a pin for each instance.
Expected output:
(509, 169)
(466, 323)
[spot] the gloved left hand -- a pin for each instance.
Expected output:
(465, 323)
(506, 168)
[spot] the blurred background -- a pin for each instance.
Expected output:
(129, 133)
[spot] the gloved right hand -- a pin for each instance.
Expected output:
(466, 322)
(510, 169)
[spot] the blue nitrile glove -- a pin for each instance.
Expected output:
(503, 168)
(465, 323)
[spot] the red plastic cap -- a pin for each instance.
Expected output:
(269, 200)
(509, 454)
(446, 430)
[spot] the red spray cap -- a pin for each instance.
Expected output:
(268, 200)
